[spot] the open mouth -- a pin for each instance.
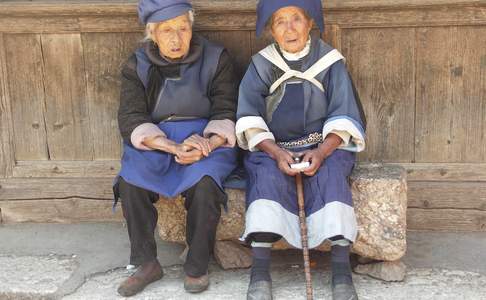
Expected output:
(292, 41)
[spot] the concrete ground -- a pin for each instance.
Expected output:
(86, 261)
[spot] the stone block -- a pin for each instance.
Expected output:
(231, 255)
(380, 201)
(386, 271)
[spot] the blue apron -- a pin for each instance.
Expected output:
(158, 172)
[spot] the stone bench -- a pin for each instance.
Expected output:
(380, 202)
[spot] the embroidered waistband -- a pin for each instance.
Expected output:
(310, 140)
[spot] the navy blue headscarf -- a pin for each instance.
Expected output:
(266, 8)
(155, 11)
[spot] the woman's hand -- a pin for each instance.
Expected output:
(198, 142)
(283, 158)
(186, 155)
(216, 141)
(160, 143)
(317, 156)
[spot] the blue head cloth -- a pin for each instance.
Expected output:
(155, 11)
(266, 8)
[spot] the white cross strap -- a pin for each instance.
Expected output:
(272, 55)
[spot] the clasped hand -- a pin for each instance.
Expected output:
(193, 149)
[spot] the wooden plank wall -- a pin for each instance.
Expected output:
(419, 66)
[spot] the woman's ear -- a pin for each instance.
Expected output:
(311, 24)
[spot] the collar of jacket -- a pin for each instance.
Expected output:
(152, 52)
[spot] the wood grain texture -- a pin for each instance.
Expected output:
(238, 45)
(332, 36)
(446, 220)
(445, 172)
(381, 62)
(62, 169)
(408, 17)
(451, 107)
(72, 210)
(56, 188)
(36, 24)
(447, 195)
(26, 92)
(259, 43)
(99, 16)
(116, 7)
(104, 55)
(7, 159)
(67, 116)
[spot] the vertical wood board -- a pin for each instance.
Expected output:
(6, 151)
(381, 62)
(26, 91)
(238, 45)
(67, 116)
(105, 54)
(332, 36)
(451, 102)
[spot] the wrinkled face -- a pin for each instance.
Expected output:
(291, 28)
(174, 37)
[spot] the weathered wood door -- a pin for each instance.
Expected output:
(420, 68)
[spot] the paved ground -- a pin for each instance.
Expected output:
(86, 261)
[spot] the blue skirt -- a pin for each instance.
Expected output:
(158, 172)
(271, 200)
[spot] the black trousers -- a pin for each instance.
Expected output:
(203, 204)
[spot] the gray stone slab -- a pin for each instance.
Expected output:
(34, 277)
(424, 284)
(102, 247)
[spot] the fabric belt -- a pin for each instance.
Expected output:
(309, 140)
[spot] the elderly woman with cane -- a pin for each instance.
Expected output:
(297, 100)
(176, 117)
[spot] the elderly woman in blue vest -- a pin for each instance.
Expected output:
(297, 100)
(176, 117)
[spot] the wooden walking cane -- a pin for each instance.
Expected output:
(303, 233)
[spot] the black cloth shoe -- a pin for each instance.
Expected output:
(344, 291)
(260, 290)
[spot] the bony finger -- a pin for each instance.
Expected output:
(186, 147)
(289, 171)
(311, 171)
(307, 157)
(195, 145)
(188, 156)
(208, 145)
(205, 149)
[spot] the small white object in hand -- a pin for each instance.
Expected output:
(300, 166)
(130, 267)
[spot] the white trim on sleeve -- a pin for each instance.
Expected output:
(356, 143)
(251, 122)
(257, 139)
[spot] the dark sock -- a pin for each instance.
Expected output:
(340, 265)
(260, 269)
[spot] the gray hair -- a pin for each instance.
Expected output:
(150, 27)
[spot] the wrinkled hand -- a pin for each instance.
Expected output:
(284, 159)
(198, 142)
(186, 155)
(316, 158)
